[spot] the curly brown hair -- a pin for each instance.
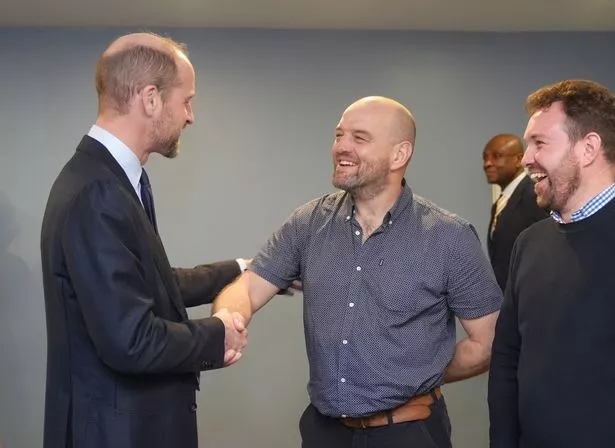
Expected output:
(589, 107)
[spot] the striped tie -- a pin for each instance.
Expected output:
(499, 206)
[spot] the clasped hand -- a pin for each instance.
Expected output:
(235, 335)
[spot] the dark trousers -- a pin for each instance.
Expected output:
(319, 431)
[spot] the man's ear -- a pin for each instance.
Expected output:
(151, 100)
(402, 153)
(591, 148)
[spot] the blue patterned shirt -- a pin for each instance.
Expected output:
(379, 315)
(590, 208)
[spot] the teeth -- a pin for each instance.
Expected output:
(537, 177)
(346, 163)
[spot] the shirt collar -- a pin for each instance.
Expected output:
(510, 188)
(403, 200)
(591, 207)
(122, 154)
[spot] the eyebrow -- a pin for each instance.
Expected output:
(534, 137)
(353, 131)
(361, 132)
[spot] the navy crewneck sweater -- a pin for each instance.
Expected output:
(552, 378)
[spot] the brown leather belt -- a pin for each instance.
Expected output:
(417, 408)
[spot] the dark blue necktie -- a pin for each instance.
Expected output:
(148, 199)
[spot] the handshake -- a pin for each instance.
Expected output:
(235, 331)
(235, 335)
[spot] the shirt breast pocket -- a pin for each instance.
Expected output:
(403, 290)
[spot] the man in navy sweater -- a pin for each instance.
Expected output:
(552, 377)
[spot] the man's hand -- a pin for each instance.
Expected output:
(235, 335)
(296, 286)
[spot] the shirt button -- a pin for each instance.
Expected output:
(347, 218)
(344, 342)
(358, 268)
(344, 415)
(351, 304)
(357, 233)
(343, 380)
(390, 222)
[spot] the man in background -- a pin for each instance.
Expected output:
(385, 272)
(516, 207)
(123, 359)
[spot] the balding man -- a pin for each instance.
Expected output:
(384, 274)
(123, 358)
(516, 208)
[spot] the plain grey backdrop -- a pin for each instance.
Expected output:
(266, 109)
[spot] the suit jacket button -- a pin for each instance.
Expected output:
(193, 407)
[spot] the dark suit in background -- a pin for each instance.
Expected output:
(502, 165)
(520, 212)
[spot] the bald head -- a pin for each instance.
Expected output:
(132, 62)
(394, 115)
(502, 159)
(508, 144)
(373, 145)
(143, 39)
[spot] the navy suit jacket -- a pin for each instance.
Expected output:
(521, 211)
(123, 359)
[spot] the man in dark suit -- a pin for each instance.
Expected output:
(516, 208)
(123, 358)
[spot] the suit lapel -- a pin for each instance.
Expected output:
(97, 150)
(489, 234)
(511, 204)
(517, 195)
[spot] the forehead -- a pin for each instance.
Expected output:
(546, 121)
(498, 146)
(185, 71)
(368, 117)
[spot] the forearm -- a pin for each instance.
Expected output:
(235, 298)
(471, 358)
(202, 283)
(246, 295)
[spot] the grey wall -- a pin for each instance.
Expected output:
(266, 109)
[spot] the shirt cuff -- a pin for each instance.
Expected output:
(242, 264)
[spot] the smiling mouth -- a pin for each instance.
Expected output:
(343, 164)
(538, 177)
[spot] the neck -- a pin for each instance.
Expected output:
(592, 185)
(129, 133)
(372, 206)
(504, 185)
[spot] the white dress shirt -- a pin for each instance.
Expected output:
(122, 154)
